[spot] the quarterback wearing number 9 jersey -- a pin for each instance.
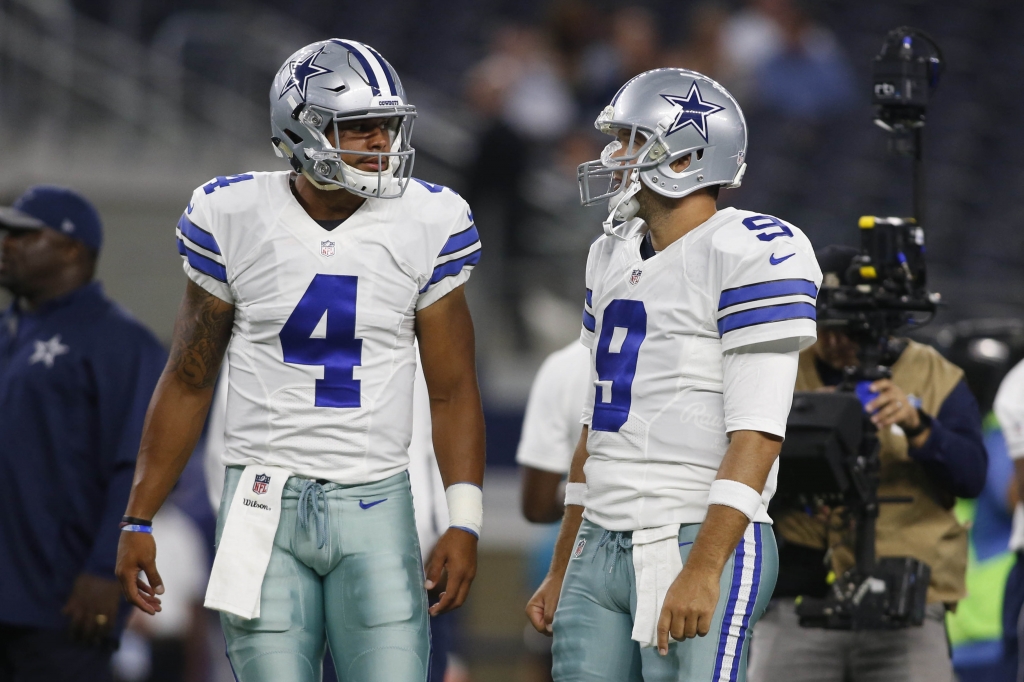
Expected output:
(694, 317)
(315, 283)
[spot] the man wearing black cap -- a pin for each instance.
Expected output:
(931, 451)
(76, 375)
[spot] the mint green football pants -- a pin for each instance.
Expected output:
(594, 620)
(350, 576)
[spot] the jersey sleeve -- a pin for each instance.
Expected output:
(766, 288)
(455, 261)
(201, 253)
(758, 389)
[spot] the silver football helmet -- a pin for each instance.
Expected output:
(336, 82)
(668, 113)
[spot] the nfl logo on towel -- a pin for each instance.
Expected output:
(327, 248)
(634, 277)
(259, 486)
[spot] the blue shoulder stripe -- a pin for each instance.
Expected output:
(460, 240)
(589, 323)
(764, 315)
(590, 298)
(181, 246)
(367, 69)
(452, 268)
(206, 265)
(762, 290)
(198, 235)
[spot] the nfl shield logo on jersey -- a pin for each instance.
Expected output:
(634, 277)
(260, 485)
(327, 248)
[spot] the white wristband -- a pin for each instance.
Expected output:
(737, 495)
(465, 507)
(574, 493)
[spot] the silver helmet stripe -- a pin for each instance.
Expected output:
(376, 73)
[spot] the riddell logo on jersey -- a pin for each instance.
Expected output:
(634, 277)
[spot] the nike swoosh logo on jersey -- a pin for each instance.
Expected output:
(367, 505)
(775, 261)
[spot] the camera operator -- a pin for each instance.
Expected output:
(931, 451)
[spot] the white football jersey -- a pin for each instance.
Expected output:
(657, 329)
(551, 425)
(321, 355)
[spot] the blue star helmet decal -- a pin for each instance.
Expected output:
(694, 111)
(301, 72)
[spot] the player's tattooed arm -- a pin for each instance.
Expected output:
(177, 412)
(201, 335)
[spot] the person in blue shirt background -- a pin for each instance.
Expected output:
(76, 375)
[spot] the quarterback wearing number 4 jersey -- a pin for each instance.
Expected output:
(694, 317)
(323, 319)
(315, 283)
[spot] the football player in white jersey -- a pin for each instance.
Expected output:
(316, 283)
(694, 317)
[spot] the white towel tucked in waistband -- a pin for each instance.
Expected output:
(245, 545)
(657, 563)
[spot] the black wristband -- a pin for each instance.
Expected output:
(135, 521)
(924, 425)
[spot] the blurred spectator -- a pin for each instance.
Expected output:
(519, 81)
(704, 50)
(982, 651)
(171, 646)
(76, 375)
(632, 48)
(522, 95)
(786, 62)
(557, 232)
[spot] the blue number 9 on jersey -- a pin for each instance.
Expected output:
(623, 329)
(759, 223)
(337, 350)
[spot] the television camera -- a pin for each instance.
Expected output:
(830, 458)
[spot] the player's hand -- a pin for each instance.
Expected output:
(891, 406)
(541, 607)
(92, 607)
(136, 554)
(454, 559)
(689, 606)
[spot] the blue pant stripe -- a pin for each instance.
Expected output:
(730, 610)
(751, 602)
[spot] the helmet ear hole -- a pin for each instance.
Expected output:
(292, 136)
(700, 154)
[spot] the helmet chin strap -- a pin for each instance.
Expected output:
(623, 206)
(327, 188)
